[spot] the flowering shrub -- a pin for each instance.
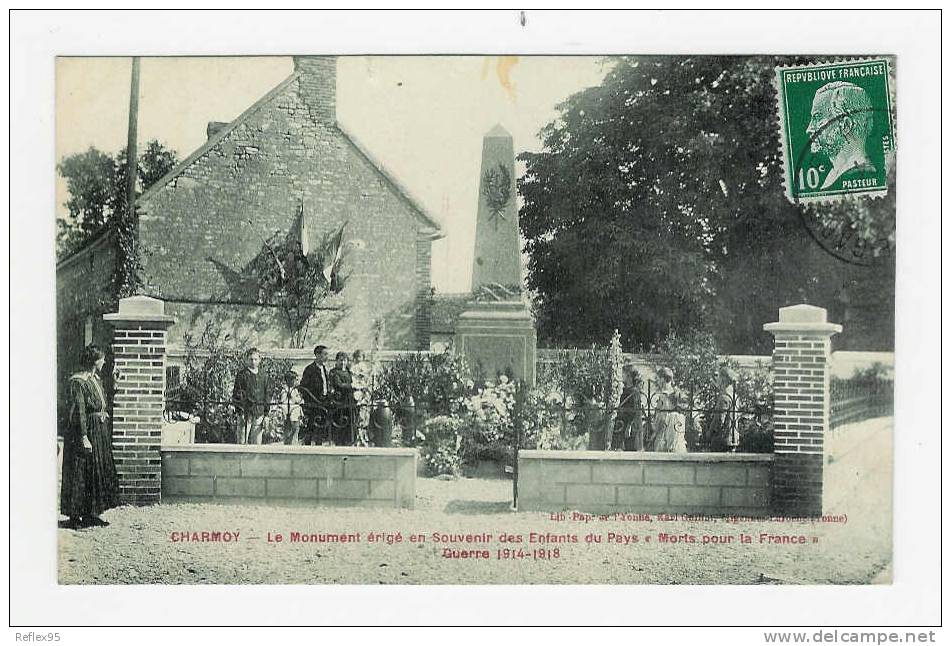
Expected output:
(487, 423)
(547, 423)
(435, 382)
(418, 385)
(488, 430)
(439, 446)
(538, 418)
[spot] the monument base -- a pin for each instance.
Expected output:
(498, 337)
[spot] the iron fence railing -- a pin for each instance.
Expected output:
(649, 418)
(851, 402)
(328, 423)
(654, 419)
(646, 419)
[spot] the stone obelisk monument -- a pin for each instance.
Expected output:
(496, 333)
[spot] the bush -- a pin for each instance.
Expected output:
(436, 382)
(695, 362)
(875, 376)
(582, 374)
(439, 446)
(546, 423)
(576, 380)
(754, 392)
(754, 439)
(420, 385)
(501, 414)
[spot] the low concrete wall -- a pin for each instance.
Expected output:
(683, 483)
(317, 475)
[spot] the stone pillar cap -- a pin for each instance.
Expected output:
(140, 308)
(803, 318)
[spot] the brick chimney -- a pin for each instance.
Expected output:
(318, 86)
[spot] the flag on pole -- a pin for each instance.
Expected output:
(302, 233)
(332, 255)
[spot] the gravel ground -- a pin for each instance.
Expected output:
(137, 546)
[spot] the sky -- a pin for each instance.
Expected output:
(422, 117)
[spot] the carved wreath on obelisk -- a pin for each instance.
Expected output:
(497, 191)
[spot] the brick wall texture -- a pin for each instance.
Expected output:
(139, 352)
(384, 478)
(554, 483)
(801, 386)
(248, 184)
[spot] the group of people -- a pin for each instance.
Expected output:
(321, 408)
(326, 405)
(665, 429)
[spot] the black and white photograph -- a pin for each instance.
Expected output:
(612, 320)
(333, 317)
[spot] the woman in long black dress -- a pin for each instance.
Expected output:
(90, 483)
(341, 380)
(630, 416)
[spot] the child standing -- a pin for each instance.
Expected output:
(292, 406)
(362, 374)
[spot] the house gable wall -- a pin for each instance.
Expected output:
(212, 216)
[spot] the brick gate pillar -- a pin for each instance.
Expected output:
(801, 384)
(138, 345)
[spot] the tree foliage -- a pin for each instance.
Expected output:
(91, 183)
(657, 205)
(96, 183)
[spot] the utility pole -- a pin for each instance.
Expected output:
(127, 225)
(132, 153)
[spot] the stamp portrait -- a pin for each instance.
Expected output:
(836, 129)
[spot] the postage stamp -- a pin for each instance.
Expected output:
(836, 129)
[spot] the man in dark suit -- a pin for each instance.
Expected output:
(315, 390)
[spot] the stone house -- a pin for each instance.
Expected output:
(284, 165)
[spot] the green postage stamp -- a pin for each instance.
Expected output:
(836, 128)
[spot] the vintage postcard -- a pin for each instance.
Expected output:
(475, 319)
